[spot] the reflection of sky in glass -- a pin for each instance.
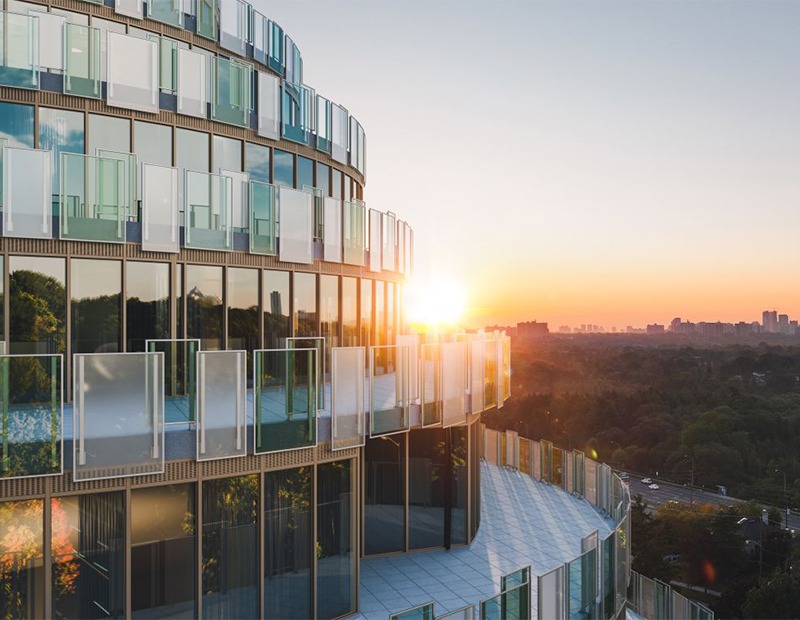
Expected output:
(284, 168)
(242, 288)
(305, 172)
(227, 154)
(276, 292)
(60, 131)
(147, 281)
(16, 124)
(51, 267)
(93, 278)
(305, 292)
(257, 162)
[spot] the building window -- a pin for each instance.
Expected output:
(349, 312)
(384, 494)
(305, 172)
(230, 548)
(256, 159)
(163, 552)
(21, 555)
(16, 124)
(152, 143)
(276, 309)
(305, 304)
(288, 543)
(191, 151)
(283, 168)
(96, 291)
(109, 133)
(147, 303)
(336, 184)
(60, 131)
(366, 313)
(203, 291)
(329, 310)
(227, 154)
(323, 179)
(37, 305)
(336, 560)
(242, 296)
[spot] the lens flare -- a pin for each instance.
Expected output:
(709, 572)
(435, 304)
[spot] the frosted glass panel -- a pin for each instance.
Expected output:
(262, 218)
(353, 227)
(477, 365)
(388, 387)
(285, 391)
(27, 193)
(192, 83)
(389, 224)
(339, 133)
(233, 25)
(332, 230)
(31, 406)
(240, 198)
(221, 414)
(454, 383)
(375, 240)
(401, 247)
(347, 397)
(19, 50)
(550, 591)
(51, 40)
(118, 414)
(431, 360)
(296, 226)
(131, 8)
(159, 209)
(132, 73)
(269, 106)
(412, 342)
(207, 211)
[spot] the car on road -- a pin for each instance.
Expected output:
(647, 481)
(654, 487)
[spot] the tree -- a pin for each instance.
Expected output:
(778, 596)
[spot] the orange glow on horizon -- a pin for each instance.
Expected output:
(435, 304)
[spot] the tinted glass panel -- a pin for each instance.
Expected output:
(16, 124)
(323, 179)
(147, 303)
(243, 313)
(458, 461)
(96, 287)
(88, 547)
(305, 304)
(163, 552)
(427, 484)
(230, 548)
(336, 184)
(384, 496)
(203, 290)
(305, 172)
(366, 313)
(379, 334)
(329, 310)
(284, 168)
(288, 529)
(153, 143)
(276, 308)
(38, 305)
(256, 158)
(335, 537)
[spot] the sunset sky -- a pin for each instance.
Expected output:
(607, 162)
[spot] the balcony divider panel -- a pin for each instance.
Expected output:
(269, 106)
(296, 226)
(347, 397)
(332, 230)
(192, 83)
(160, 229)
(389, 389)
(454, 383)
(180, 378)
(132, 84)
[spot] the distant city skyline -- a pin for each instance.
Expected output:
(618, 162)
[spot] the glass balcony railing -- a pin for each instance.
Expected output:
(32, 413)
(207, 18)
(232, 91)
(511, 604)
(159, 216)
(180, 378)
(94, 198)
(454, 383)
(234, 26)
(81, 60)
(420, 612)
(221, 404)
(19, 52)
(347, 398)
(263, 238)
(322, 360)
(208, 214)
(26, 192)
(431, 388)
(118, 415)
(353, 237)
(298, 113)
(166, 11)
(388, 389)
(285, 395)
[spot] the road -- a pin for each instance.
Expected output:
(683, 494)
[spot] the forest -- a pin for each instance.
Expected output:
(718, 414)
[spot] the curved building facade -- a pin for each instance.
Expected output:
(211, 405)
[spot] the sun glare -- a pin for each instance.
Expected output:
(434, 304)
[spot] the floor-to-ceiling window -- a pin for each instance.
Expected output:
(163, 552)
(243, 312)
(305, 304)
(203, 293)
(229, 562)
(21, 556)
(276, 308)
(37, 305)
(147, 303)
(96, 293)
(349, 312)
(288, 543)
(384, 494)
(336, 557)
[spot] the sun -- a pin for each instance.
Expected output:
(434, 304)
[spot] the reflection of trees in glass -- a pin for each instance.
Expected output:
(147, 319)
(65, 565)
(204, 315)
(243, 323)
(37, 306)
(95, 323)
